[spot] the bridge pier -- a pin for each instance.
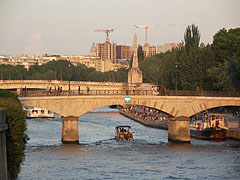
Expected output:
(70, 130)
(178, 129)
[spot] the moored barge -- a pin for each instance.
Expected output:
(209, 127)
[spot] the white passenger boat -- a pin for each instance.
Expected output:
(33, 112)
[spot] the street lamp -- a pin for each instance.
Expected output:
(176, 88)
(69, 65)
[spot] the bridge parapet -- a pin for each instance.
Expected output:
(43, 84)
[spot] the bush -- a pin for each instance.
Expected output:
(8, 94)
(16, 137)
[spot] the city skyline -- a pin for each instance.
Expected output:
(67, 27)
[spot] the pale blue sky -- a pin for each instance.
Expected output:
(66, 27)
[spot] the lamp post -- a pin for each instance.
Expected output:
(176, 88)
(69, 65)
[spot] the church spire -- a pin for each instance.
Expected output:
(135, 75)
(135, 56)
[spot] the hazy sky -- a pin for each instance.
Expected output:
(66, 27)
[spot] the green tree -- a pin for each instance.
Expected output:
(227, 76)
(226, 45)
(191, 38)
(140, 53)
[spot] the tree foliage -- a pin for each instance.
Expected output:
(210, 67)
(16, 136)
(140, 53)
(191, 38)
(60, 70)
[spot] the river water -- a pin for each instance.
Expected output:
(99, 156)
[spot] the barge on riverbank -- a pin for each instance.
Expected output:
(209, 126)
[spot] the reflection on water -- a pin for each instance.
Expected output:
(99, 156)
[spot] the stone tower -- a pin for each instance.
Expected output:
(135, 75)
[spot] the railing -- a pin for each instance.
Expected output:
(31, 93)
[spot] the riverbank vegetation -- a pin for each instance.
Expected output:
(188, 66)
(16, 136)
(194, 65)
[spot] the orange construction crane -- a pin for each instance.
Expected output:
(107, 31)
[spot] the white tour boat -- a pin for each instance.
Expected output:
(33, 112)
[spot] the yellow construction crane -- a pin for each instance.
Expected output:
(147, 27)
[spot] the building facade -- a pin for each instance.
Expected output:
(148, 50)
(165, 47)
(106, 51)
(123, 52)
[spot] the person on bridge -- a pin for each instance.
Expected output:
(79, 89)
(25, 91)
(47, 90)
(88, 89)
(21, 91)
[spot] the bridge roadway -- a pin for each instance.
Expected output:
(179, 107)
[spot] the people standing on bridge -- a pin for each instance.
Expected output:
(25, 91)
(55, 90)
(79, 89)
(88, 89)
(21, 91)
(60, 92)
(50, 91)
(47, 90)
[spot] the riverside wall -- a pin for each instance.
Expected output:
(3, 152)
(150, 123)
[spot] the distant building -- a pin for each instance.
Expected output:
(89, 61)
(123, 52)
(24, 60)
(165, 47)
(106, 51)
(148, 50)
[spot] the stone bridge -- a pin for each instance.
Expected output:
(43, 84)
(180, 108)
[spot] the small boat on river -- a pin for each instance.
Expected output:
(211, 126)
(123, 133)
(33, 112)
